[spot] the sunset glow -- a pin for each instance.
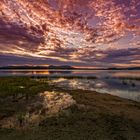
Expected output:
(81, 33)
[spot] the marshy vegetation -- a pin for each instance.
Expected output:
(94, 116)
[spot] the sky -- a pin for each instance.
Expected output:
(81, 33)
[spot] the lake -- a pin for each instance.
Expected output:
(122, 83)
(97, 73)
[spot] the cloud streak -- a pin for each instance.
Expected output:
(78, 32)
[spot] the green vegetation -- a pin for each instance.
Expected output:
(94, 117)
(14, 86)
(129, 78)
(123, 78)
(67, 77)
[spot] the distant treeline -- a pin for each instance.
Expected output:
(38, 67)
(127, 68)
(66, 67)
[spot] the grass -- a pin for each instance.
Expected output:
(125, 78)
(95, 117)
(66, 76)
(22, 85)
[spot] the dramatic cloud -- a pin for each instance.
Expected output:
(76, 32)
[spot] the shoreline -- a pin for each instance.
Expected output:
(95, 115)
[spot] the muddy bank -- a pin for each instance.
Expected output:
(94, 116)
(67, 114)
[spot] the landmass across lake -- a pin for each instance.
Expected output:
(67, 67)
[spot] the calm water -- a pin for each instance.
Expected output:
(107, 81)
(129, 89)
(98, 73)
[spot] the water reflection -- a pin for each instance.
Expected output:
(123, 83)
(126, 73)
(51, 72)
(34, 72)
(129, 90)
